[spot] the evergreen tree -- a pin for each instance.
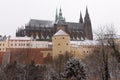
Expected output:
(74, 70)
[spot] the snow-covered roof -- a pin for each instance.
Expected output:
(50, 43)
(60, 32)
(85, 42)
(20, 38)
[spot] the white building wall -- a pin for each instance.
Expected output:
(19, 42)
(39, 44)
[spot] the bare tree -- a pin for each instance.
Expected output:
(101, 58)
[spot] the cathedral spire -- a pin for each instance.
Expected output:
(81, 19)
(87, 14)
(60, 14)
(87, 26)
(56, 16)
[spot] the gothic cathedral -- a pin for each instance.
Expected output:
(43, 30)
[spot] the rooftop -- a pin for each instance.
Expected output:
(60, 33)
(20, 38)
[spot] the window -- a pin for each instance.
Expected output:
(11, 44)
(74, 51)
(84, 51)
(15, 44)
(60, 51)
(63, 38)
(58, 44)
(27, 44)
(67, 44)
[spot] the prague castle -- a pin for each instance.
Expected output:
(45, 40)
(25, 49)
(43, 30)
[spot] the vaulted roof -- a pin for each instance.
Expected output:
(48, 23)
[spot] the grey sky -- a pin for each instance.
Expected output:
(15, 13)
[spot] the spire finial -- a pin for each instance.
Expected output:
(87, 14)
(56, 16)
(81, 19)
(60, 13)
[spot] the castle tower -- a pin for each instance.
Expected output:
(87, 26)
(61, 43)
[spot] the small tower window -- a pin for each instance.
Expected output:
(66, 43)
(60, 51)
(58, 44)
(63, 38)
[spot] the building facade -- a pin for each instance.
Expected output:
(43, 30)
(60, 43)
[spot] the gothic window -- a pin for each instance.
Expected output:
(47, 37)
(77, 38)
(42, 37)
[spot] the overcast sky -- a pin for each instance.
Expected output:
(15, 13)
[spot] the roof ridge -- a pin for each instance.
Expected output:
(60, 32)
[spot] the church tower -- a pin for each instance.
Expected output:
(60, 22)
(87, 26)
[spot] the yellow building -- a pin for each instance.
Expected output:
(80, 49)
(60, 43)
(3, 44)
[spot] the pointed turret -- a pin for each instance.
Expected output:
(60, 14)
(60, 23)
(56, 16)
(87, 15)
(87, 26)
(81, 19)
(61, 19)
